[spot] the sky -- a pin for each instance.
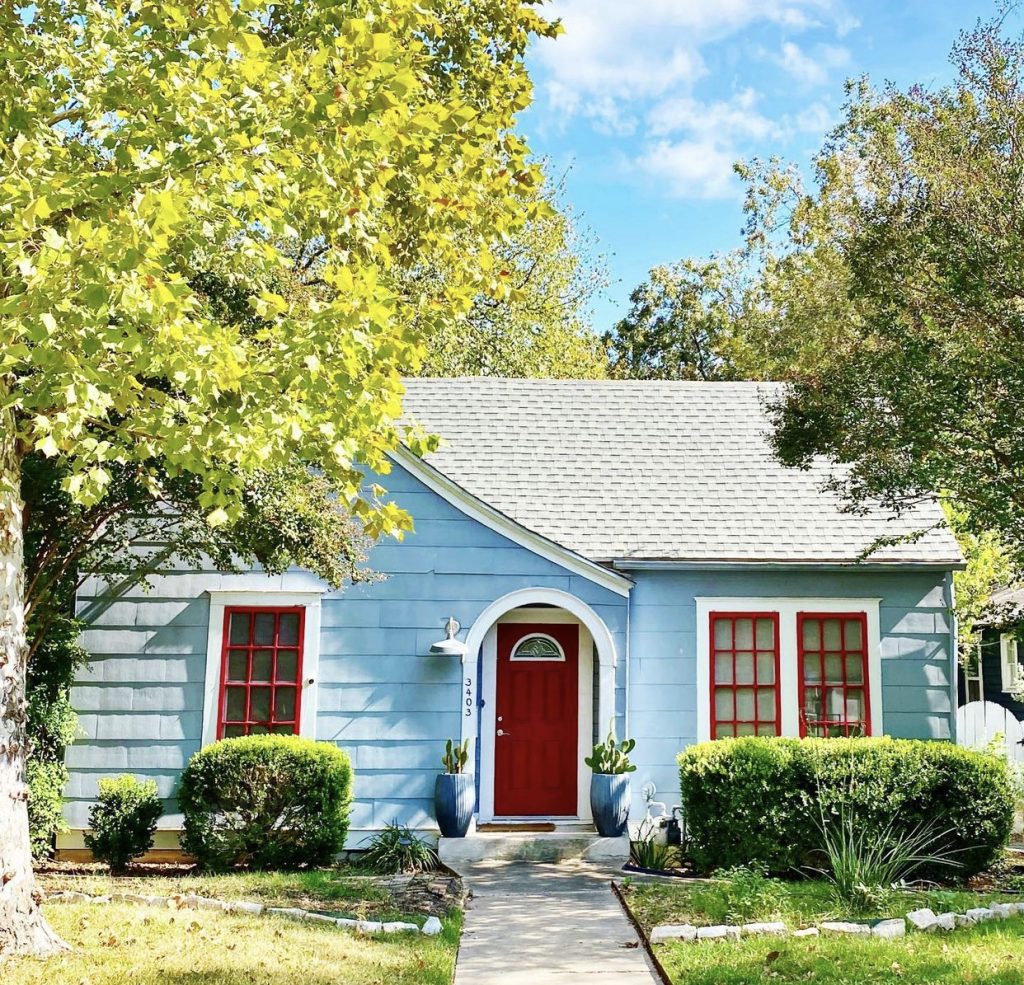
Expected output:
(644, 106)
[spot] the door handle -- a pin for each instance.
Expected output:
(501, 731)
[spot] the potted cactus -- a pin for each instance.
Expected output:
(454, 792)
(609, 785)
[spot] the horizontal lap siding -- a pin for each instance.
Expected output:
(914, 623)
(381, 696)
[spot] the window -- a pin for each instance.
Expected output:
(833, 669)
(1010, 661)
(744, 674)
(261, 671)
(974, 681)
(537, 647)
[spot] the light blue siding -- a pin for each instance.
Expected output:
(391, 705)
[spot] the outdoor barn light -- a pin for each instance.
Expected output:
(450, 646)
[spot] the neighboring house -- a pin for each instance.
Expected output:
(614, 551)
(994, 672)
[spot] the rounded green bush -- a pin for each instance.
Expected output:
(763, 800)
(265, 801)
(123, 820)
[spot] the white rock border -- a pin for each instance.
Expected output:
(190, 901)
(924, 920)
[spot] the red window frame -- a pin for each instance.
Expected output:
(755, 686)
(846, 725)
(271, 723)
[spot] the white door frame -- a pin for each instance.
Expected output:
(482, 639)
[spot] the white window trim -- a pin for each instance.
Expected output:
(789, 682)
(1009, 662)
(219, 601)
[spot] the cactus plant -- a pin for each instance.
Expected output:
(455, 756)
(612, 757)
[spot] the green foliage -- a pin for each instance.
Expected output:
(741, 894)
(612, 757)
(123, 820)
(46, 782)
(645, 851)
(763, 800)
(865, 863)
(396, 848)
(265, 801)
(455, 756)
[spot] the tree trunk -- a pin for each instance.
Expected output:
(23, 928)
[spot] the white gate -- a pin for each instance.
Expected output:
(979, 723)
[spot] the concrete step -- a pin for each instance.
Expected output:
(533, 846)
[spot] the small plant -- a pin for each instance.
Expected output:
(865, 866)
(455, 756)
(611, 757)
(398, 849)
(741, 894)
(123, 821)
(647, 853)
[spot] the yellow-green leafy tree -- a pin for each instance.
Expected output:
(145, 146)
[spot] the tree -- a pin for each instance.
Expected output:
(896, 285)
(541, 328)
(682, 324)
(144, 145)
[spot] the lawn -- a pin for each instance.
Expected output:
(122, 944)
(989, 954)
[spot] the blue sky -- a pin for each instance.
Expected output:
(650, 102)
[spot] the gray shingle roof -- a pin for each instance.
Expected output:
(649, 470)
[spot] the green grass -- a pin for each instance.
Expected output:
(122, 944)
(991, 954)
(336, 890)
(705, 903)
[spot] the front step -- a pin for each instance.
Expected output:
(533, 846)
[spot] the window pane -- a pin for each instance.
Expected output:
(288, 629)
(233, 731)
(765, 634)
(258, 730)
(855, 705)
(744, 668)
(259, 704)
(812, 704)
(235, 704)
(287, 665)
(284, 704)
(723, 668)
(745, 704)
(835, 707)
(723, 634)
(812, 668)
(262, 664)
(283, 729)
(766, 668)
(744, 634)
(854, 636)
(766, 704)
(833, 634)
(239, 631)
(264, 632)
(854, 669)
(769, 729)
(723, 705)
(812, 634)
(834, 668)
(723, 731)
(746, 728)
(238, 665)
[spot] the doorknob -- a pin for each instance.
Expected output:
(501, 731)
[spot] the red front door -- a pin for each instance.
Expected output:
(536, 742)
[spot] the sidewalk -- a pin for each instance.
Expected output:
(532, 923)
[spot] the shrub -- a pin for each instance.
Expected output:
(265, 801)
(764, 800)
(741, 894)
(46, 782)
(123, 820)
(399, 849)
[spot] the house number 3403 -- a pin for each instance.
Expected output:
(469, 696)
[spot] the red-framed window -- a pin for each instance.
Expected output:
(261, 671)
(833, 669)
(745, 674)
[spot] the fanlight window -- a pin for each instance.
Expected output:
(538, 647)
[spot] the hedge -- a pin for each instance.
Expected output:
(266, 801)
(763, 799)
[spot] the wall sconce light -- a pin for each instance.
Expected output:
(450, 646)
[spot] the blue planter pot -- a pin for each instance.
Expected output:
(454, 801)
(609, 803)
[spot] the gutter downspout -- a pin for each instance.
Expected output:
(625, 711)
(954, 677)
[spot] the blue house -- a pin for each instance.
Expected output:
(614, 552)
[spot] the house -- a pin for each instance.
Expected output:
(615, 552)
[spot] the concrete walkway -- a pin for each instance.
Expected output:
(535, 923)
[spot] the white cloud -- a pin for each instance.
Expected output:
(812, 70)
(690, 168)
(736, 117)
